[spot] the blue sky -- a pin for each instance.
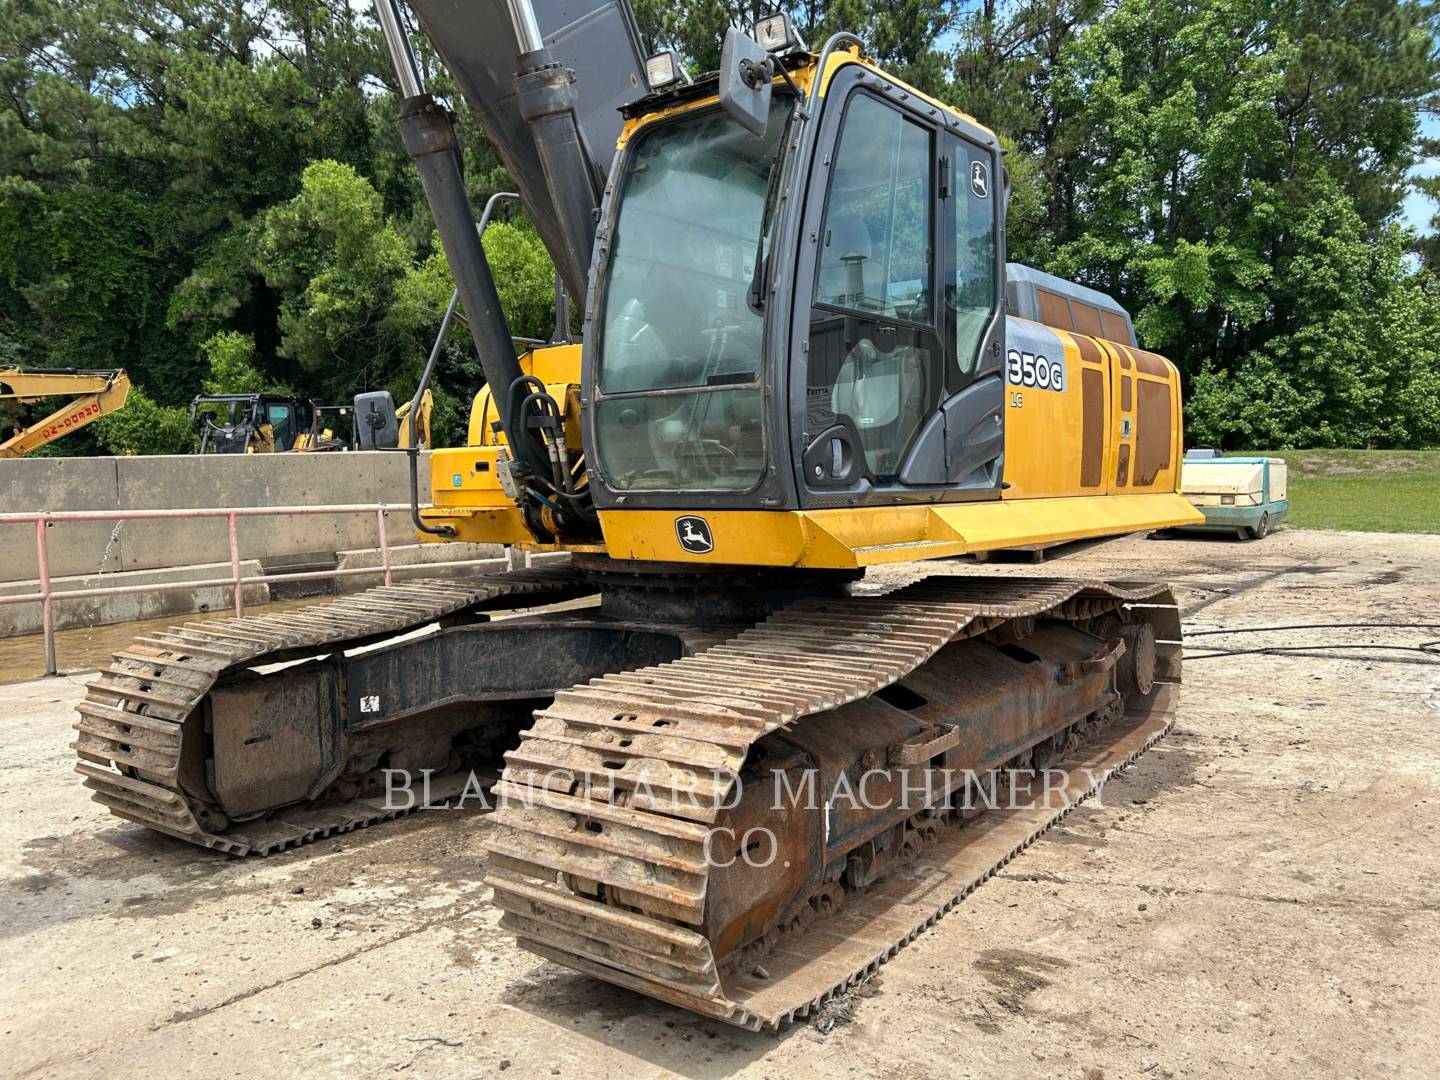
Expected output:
(1417, 209)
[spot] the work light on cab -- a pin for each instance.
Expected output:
(663, 69)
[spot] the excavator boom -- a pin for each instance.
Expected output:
(94, 393)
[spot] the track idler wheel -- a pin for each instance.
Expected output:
(1135, 673)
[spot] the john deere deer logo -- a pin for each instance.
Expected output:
(980, 179)
(694, 535)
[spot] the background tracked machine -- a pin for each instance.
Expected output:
(803, 356)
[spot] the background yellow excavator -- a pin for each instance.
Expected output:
(94, 394)
(742, 776)
(279, 423)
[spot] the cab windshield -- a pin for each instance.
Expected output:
(679, 352)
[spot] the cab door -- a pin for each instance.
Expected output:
(973, 411)
(898, 295)
(874, 351)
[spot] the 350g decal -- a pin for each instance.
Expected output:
(1030, 369)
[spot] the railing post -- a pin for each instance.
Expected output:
(384, 542)
(235, 566)
(42, 557)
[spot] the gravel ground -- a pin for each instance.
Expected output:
(1257, 896)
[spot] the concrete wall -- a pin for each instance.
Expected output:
(78, 549)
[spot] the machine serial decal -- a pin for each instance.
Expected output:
(694, 535)
(1030, 369)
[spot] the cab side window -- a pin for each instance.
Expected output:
(281, 424)
(971, 296)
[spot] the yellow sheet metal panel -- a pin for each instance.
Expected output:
(1083, 416)
(500, 525)
(465, 476)
(1044, 426)
(851, 538)
(739, 537)
(1148, 436)
(841, 538)
(1047, 521)
(558, 367)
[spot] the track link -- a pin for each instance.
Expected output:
(131, 727)
(597, 852)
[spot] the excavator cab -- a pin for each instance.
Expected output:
(810, 316)
(794, 304)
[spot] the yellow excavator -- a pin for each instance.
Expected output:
(279, 423)
(743, 774)
(94, 393)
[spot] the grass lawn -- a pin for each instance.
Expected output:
(1366, 490)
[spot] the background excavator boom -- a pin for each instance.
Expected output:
(94, 394)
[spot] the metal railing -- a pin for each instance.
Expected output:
(47, 596)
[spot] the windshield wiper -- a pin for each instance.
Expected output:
(754, 296)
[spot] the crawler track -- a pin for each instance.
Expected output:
(597, 855)
(133, 722)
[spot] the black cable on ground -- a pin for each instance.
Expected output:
(1428, 648)
(1319, 626)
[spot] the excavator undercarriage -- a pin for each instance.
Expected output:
(741, 817)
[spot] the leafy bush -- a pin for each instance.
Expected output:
(143, 427)
(232, 370)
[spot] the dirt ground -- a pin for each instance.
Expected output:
(1259, 895)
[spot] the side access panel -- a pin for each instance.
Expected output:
(1145, 401)
(1058, 426)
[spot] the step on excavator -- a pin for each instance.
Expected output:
(730, 770)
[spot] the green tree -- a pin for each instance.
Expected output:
(232, 370)
(1360, 363)
(335, 259)
(145, 427)
(1208, 162)
(524, 277)
(1203, 188)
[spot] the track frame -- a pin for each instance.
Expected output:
(598, 851)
